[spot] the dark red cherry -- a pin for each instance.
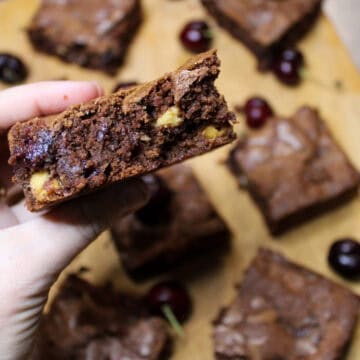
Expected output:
(196, 36)
(12, 69)
(124, 85)
(344, 258)
(257, 110)
(287, 72)
(156, 211)
(287, 66)
(174, 295)
(292, 55)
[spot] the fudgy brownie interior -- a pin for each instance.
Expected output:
(131, 132)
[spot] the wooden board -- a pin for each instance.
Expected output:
(156, 50)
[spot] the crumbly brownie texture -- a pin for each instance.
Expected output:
(293, 169)
(87, 322)
(284, 311)
(93, 34)
(129, 133)
(192, 226)
(265, 25)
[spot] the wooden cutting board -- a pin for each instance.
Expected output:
(157, 50)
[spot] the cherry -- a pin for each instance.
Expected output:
(344, 258)
(124, 85)
(156, 211)
(287, 66)
(196, 36)
(293, 55)
(257, 111)
(172, 294)
(12, 69)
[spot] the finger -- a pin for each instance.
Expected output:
(7, 218)
(24, 102)
(22, 213)
(47, 244)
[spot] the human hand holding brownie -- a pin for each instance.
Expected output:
(34, 248)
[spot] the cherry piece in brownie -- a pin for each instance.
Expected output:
(93, 34)
(87, 322)
(265, 25)
(131, 132)
(284, 311)
(178, 223)
(293, 169)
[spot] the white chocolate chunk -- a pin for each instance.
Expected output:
(41, 184)
(170, 118)
(211, 133)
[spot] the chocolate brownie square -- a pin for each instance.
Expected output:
(93, 34)
(131, 132)
(265, 25)
(179, 222)
(87, 322)
(293, 169)
(284, 311)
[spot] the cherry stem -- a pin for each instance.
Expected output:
(305, 74)
(171, 318)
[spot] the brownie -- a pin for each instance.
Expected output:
(87, 322)
(283, 311)
(131, 132)
(293, 169)
(265, 25)
(174, 226)
(93, 34)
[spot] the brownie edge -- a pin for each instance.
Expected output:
(285, 311)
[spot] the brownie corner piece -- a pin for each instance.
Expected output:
(285, 311)
(95, 322)
(265, 25)
(92, 34)
(126, 134)
(178, 224)
(293, 169)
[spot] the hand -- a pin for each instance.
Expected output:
(34, 248)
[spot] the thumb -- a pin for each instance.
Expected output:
(34, 253)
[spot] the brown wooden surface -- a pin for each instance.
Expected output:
(156, 50)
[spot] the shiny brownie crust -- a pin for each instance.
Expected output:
(88, 322)
(93, 34)
(266, 25)
(192, 229)
(293, 169)
(284, 311)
